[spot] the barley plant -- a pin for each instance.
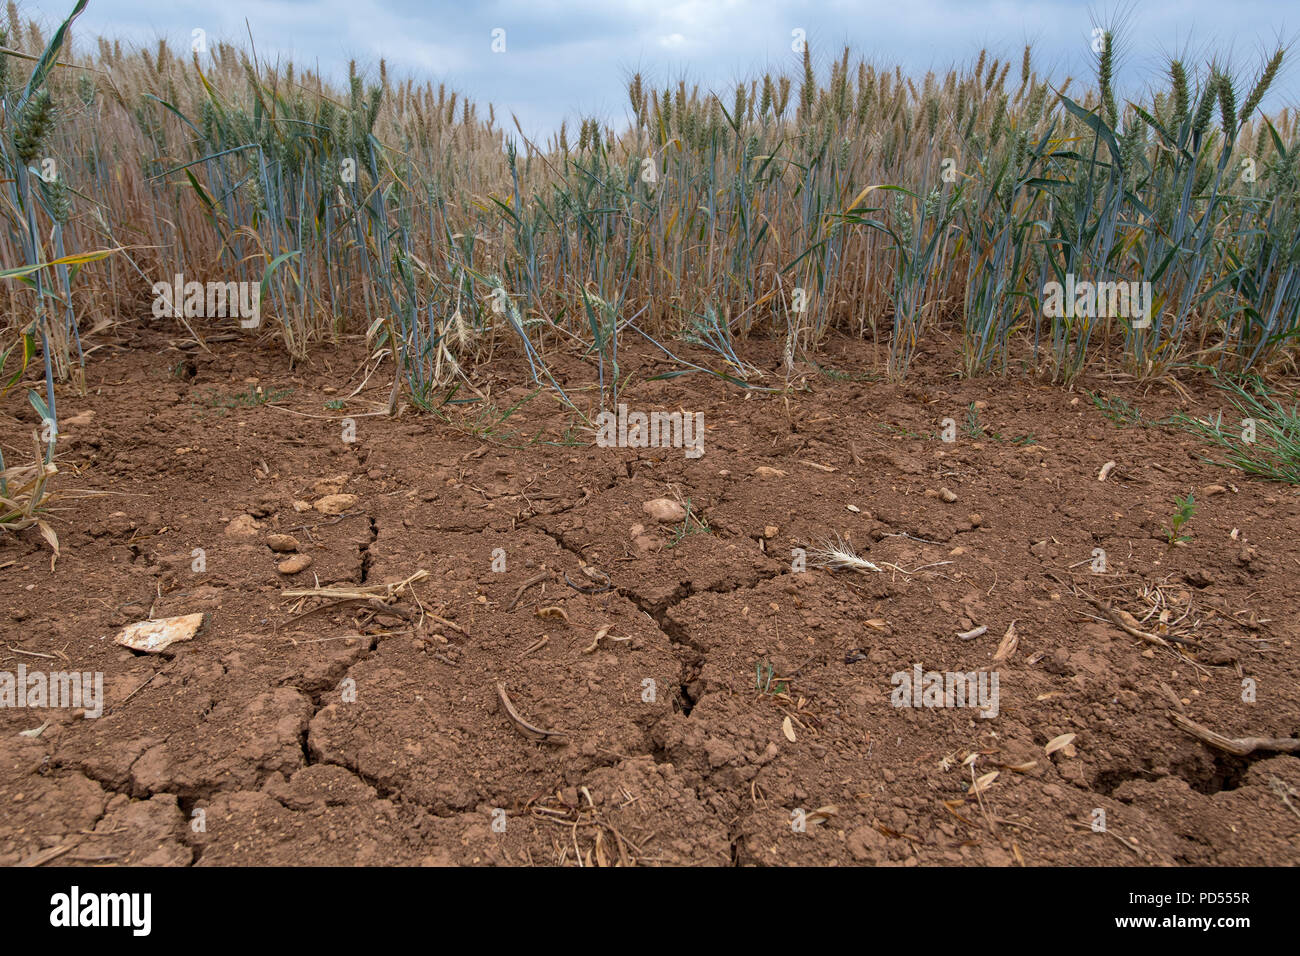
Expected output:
(838, 196)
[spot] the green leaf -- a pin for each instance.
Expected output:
(28, 343)
(51, 53)
(1095, 123)
(273, 265)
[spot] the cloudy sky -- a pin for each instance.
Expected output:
(565, 58)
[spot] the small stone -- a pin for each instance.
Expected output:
(665, 510)
(763, 471)
(282, 543)
(947, 495)
(335, 504)
(770, 531)
(975, 519)
(301, 506)
(299, 562)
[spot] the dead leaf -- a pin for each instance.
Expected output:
(531, 731)
(1025, 767)
(822, 814)
(53, 539)
(591, 649)
(1057, 743)
(787, 728)
(1007, 647)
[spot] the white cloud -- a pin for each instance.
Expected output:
(572, 57)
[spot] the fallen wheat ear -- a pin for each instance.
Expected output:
(838, 555)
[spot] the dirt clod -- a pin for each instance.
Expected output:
(295, 564)
(282, 543)
(335, 504)
(665, 510)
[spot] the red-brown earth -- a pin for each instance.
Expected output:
(367, 734)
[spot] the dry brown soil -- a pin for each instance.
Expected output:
(359, 735)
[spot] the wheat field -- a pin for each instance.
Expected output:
(846, 197)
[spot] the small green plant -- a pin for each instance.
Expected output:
(680, 533)
(976, 430)
(251, 398)
(834, 374)
(764, 672)
(1186, 511)
(1117, 410)
(571, 438)
(487, 421)
(902, 432)
(839, 375)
